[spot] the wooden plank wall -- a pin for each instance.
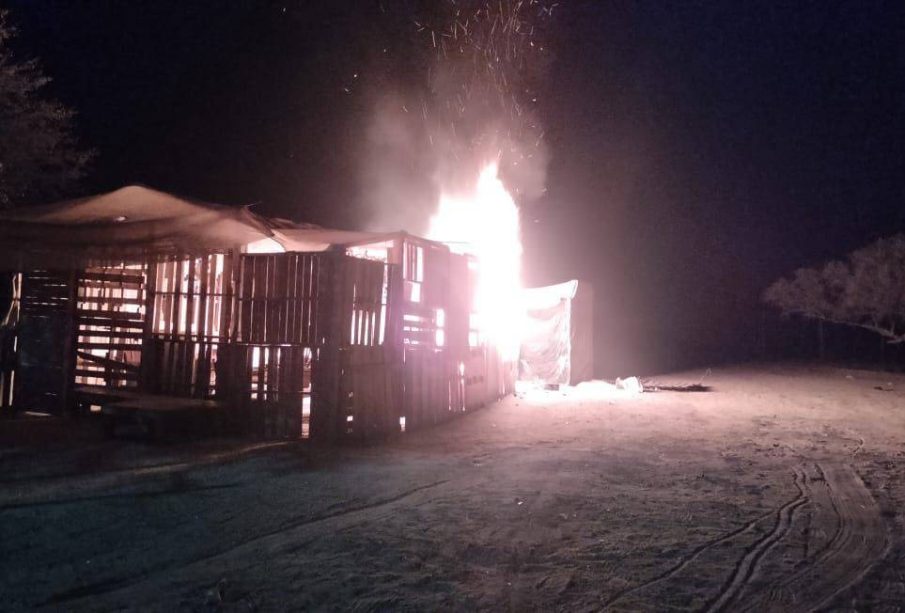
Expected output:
(110, 314)
(426, 370)
(370, 379)
(8, 342)
(271, 358)
(426, 380)
(276, 299)
(271, 388)
(407, 353)
(7, 369)
(44, 341)
(459, 362)
(190, 313)
(364, 294)
(445, 365)
(371, 392)
(355, 347)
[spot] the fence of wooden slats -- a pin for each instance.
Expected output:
(370, 390)
(44, 365)
(363, 300)
(270, 360)
(7, 369)
(445, 363)
(110, 323)
(276, 298)
(191, 311)
(8, 355)
(426, 379)
(294, 344)
(358, 375)
(269, 387)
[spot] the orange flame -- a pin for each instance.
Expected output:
(485, 224)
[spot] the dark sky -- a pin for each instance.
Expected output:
(698, 149)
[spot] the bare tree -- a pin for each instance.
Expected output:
(867, 290)
(39, 156)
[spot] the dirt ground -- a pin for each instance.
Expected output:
(780, 489)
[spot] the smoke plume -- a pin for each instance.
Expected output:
(478, 71)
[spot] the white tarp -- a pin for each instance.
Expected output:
(321, 239)
(557, 346)
(133, 221)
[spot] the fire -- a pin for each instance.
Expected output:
(485, 223)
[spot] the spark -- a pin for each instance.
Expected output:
(481, 91)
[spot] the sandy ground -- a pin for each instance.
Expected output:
(780, 489)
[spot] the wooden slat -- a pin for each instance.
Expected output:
(40, 291)
(117, 316)
(273, 374)
(204, 302)
(227, 290)
(106, 362)
(118, 334)
(247, 289)
(113, 277)
(82, 300)
(109, 346)
(259, 288)
(175, 296)
(282, 295)
(304, 299)
(97, 284)
(191, 265)
(165, 305)
(102, 374)
(186, 358)
(298, 309)
(267, 304)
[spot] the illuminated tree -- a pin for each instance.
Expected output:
(867, 290)
(39, 156)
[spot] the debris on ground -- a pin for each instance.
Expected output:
(631, 384)
(690, 387)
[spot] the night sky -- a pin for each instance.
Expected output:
(698, 150)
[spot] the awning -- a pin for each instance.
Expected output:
(322, 239)
(131, 222)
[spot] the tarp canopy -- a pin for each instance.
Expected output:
(131, 222)
(557, 348)
(322, 239)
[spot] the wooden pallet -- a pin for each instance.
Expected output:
(158, 416)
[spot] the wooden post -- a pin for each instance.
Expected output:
(325, 401)
(69, 346)
(148, 369)
(394, 350)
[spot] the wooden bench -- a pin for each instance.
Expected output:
(156, 415)
(88, 396)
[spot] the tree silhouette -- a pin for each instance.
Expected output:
(867, 290)
(39, 156)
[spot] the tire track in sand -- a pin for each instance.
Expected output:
(686, 562)
(747, 566)
(698, 551)
(269, 540)
(859, 541)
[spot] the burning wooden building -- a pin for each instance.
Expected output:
(137, 302)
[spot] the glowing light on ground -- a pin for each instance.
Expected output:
(485, 223)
